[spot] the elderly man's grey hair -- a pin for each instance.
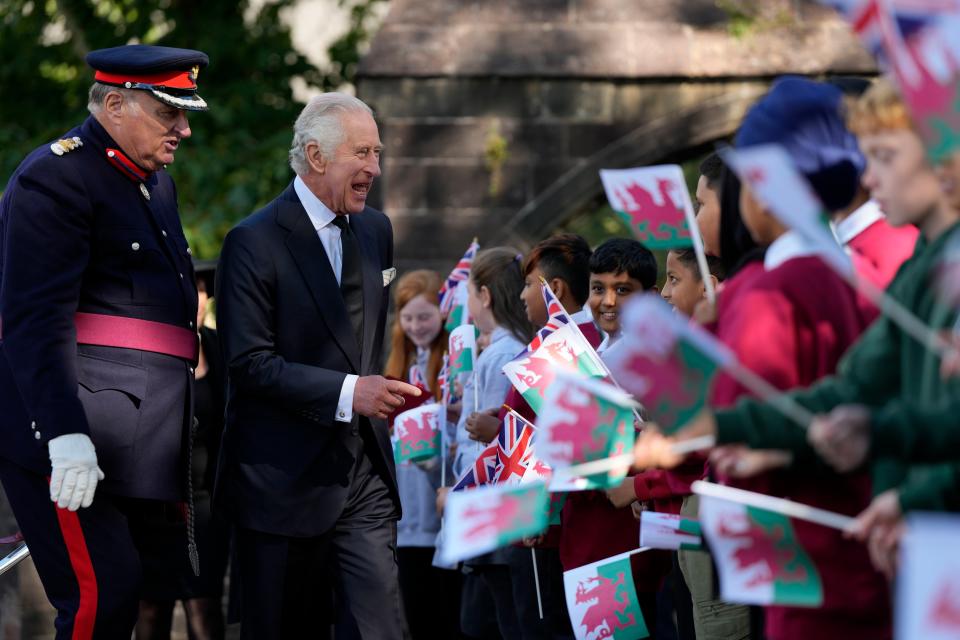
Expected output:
(320, 122)
(98, 95)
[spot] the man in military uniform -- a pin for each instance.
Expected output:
(98, 306)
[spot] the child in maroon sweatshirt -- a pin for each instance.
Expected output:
(790, 323)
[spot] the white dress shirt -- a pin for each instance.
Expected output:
(322, 219)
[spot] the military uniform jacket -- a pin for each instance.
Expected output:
(79, 234)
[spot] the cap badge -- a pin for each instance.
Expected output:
(195, 73)
(66, 145)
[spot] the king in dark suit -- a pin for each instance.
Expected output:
(306, 470)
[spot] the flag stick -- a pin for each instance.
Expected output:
(536, 580)
(698, 249)
(770, 394)
(476, 398)
(684, 447)
(594, 467)
(604, 465)
(900, 315)
(593, 352)
(14, 558)
(777, 505)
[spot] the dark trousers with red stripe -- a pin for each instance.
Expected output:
(87, 559)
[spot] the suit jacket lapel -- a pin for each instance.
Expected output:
(372, 287)
(314, 265)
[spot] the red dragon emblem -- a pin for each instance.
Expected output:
(666, 386)
(456, 352)
(769, 549)
(561, 354)
(945, 613)
(580, 436)
(538, 374)
(506, 512)
(417, 435)
(658, 220)
(608, 611)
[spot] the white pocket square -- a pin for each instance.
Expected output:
(389, 275)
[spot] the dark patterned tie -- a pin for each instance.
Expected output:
(351, 277)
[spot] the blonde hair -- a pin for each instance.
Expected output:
(880, 108)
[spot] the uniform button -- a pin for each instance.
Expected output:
(191, 370)
(33, 425)
(36, 435)
(163, 232)
(181, 276)
(190, 324)
(135, 246)
(189, 251)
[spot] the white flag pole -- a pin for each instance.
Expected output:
(605, 465)
(777, 505)
(697, 241)
(536, 580)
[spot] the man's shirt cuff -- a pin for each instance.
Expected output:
(345, 404)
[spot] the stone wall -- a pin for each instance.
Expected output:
(554, 90)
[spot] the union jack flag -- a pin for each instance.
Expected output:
(460, 273)
(483, 471)
(514, 449)
(885, 26)
(557, 318)
(416, 377)
(506, 459)
(443, 381)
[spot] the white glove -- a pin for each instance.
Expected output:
(75, 471)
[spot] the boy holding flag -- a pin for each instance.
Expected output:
(791, 334)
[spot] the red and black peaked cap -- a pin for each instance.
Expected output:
(169, 74)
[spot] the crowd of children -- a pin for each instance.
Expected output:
(882, 444)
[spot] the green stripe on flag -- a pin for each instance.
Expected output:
(795, 577)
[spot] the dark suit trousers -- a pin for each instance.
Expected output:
(287, 581)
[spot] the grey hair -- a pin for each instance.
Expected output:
(98, 96)
(320, 122)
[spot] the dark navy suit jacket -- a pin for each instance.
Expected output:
(77, 234)
(285, 465)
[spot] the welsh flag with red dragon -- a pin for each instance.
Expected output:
(654, 202)
(758, 556)
(492, 516)
(667, 363)
(602, 601)
(558, 346)
(583, 420)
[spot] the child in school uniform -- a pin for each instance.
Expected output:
(792, 324)
(591, 527)
(493, 290)
(418, 341)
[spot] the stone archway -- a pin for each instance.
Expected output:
(647, 144)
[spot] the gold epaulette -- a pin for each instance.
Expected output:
(66, 145)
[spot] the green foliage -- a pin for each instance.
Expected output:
(236, 159)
